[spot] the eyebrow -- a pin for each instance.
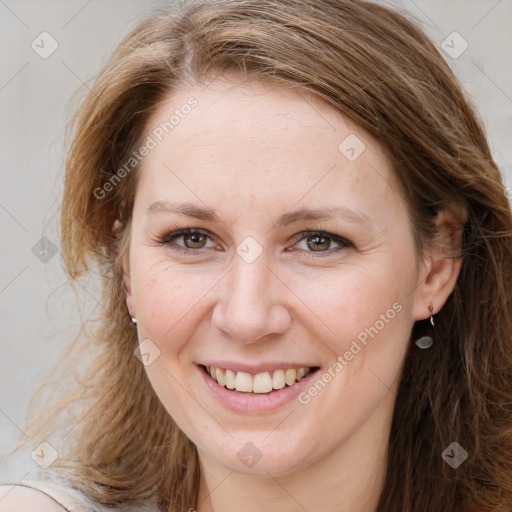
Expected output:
(292, 217)
(187, 209)
(323, 214)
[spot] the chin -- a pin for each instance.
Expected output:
(261, 453)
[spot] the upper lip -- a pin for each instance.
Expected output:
(257, 368)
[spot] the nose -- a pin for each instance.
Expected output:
(251, 306)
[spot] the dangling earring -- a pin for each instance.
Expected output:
(134, 320)
(427, 341)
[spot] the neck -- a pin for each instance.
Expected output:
(349, 479)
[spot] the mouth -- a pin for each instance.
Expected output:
(266, 382)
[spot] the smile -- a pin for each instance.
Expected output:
(264, 382)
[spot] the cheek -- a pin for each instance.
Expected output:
(361, 316)
(364, 322)
(169, 301)
(355, 302)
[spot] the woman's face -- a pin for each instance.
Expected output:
(300, 259)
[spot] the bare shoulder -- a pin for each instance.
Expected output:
(26, 499)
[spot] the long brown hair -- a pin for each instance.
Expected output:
(375, 66)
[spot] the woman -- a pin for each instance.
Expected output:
(306, 255)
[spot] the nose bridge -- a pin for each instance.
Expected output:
(248, 290)
(249, 306)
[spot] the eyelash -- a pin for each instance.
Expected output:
(169, 238)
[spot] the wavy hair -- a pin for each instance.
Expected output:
(375, 66)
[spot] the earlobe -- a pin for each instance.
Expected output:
(129, 301)
(441, 265)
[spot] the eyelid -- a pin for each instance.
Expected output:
(167, 239)
(176, 233)
(170, 236)
(344, 243)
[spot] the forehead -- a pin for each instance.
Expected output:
(261, 144)
(248, 113)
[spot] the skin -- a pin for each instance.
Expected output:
(26, 499)
(251, 152)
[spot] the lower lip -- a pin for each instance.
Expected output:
(255, 403)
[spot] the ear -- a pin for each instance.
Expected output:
(440, 266)
(130, 304)
(125, 267)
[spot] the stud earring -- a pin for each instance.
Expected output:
(134, 320)
(427, 341)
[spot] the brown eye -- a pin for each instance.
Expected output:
(318, 242)
(322, 242)
(195, 240)
(190, 240)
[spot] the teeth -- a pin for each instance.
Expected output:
(243, 382)
(278, 381)
(230, 379)
(260, 383)
(290, 378)
(221, 379)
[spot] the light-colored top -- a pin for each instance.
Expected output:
(71, 500)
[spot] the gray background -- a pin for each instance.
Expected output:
(38, 315)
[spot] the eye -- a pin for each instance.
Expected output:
(192, 240)
(188, 239)
(322, 242)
